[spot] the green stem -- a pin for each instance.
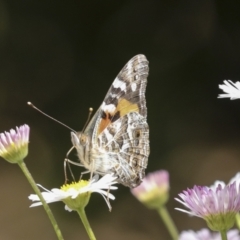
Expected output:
(82, 214)
(224, 235)
(168, 222)
(30, 179)
(238, 220)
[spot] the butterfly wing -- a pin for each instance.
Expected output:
(121, 127)
(127, 93)
(127, 142)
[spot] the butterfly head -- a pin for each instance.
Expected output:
(79, 138)
(81, 141)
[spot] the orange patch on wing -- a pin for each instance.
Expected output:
(104, 123)
(124, 107)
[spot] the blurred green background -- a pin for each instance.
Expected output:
(63, 56)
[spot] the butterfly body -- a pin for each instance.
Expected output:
(117, 138)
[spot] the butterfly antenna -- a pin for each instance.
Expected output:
(31, 105)
(88, 119)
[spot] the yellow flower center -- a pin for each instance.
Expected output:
(81, 201)
(76, 185)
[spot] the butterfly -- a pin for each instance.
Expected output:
(116, 140)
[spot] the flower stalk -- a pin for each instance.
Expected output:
(30, 179)
(163, 212)
(224, 235)
(83, 217)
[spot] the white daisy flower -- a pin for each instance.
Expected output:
(231, 89)
(77, 194)
(205, 234)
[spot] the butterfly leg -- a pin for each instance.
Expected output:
(82, 173)
(67, 162)
(91, 173)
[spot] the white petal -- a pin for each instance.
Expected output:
(216, 183)
(107, 194)
(236, 178)
(231, 89)
(35, 204)
(67, 208)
